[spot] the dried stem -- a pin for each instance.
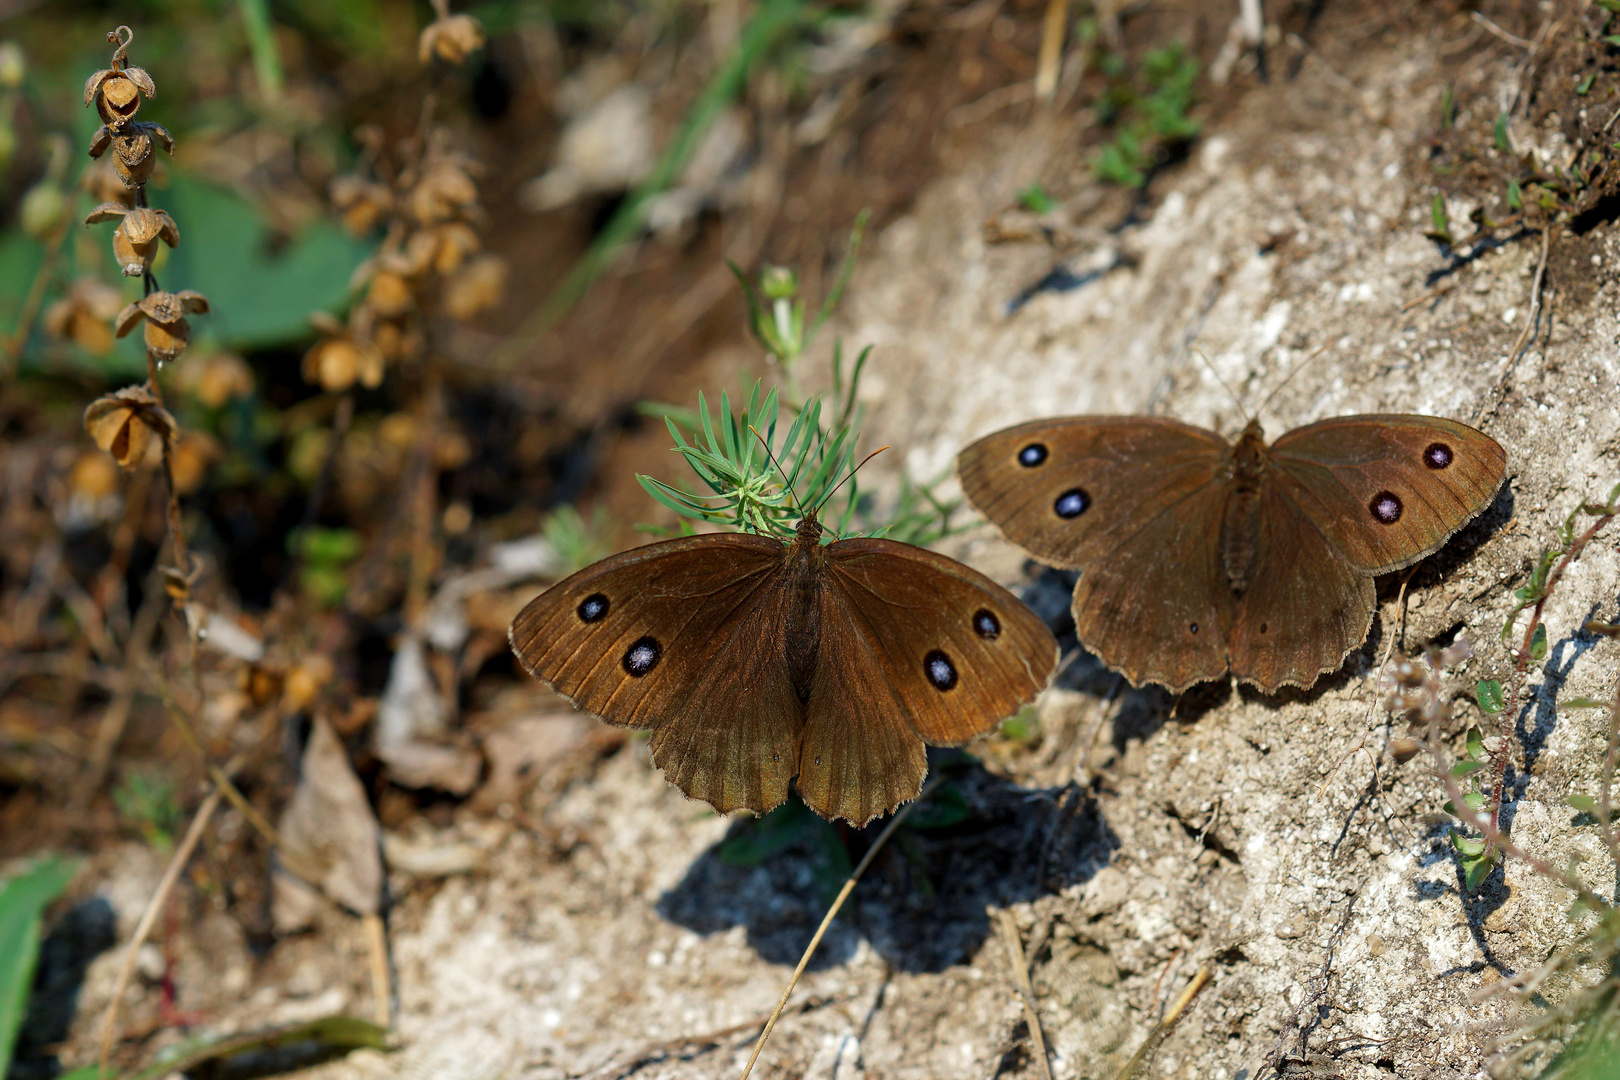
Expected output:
(293, 860)
(1142, 1061)
(1611, 758)
(1521, 663)
(1488, 827)
(182, 855)
(1026, 992)
(843, 894)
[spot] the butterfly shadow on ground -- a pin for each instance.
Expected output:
(977, 840)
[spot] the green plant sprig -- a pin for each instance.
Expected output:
(748, 492)
(776, 311)
(1575, 1038)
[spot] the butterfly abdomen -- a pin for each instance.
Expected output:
(1240, 524)
(801, 621)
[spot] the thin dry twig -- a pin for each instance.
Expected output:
(377, 951)
(182, 854)
(1535, 301)
(1512, 39)
(1142, 1060)
(1522, 657)
(291, 859)
(1026, 991)
(1050, 59)
(832, 912)
(661, 1048)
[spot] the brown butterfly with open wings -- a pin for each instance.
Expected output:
(753, 661)
(1201, 557)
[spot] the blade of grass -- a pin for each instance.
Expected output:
(773, 20)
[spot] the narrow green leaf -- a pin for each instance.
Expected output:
(1500, 133)
(1466, 767)
(23, 900)
(1440, 218)
(770, 22)
(1584, 87)
(1583, 703)
(1515, 195)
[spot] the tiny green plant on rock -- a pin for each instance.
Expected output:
(1573, 1034)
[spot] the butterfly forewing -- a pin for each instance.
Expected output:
(1387, 490)
(678, 637)
(961, 652)
(1071, 490)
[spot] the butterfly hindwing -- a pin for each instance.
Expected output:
(915, 648)
(1304, 606)
(698, 614)
(1159, 608)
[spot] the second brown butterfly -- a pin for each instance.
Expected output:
(1201, 557)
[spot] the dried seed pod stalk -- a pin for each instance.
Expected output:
(424, 197)
(123, 423)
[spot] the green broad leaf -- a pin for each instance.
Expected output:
(20, 260)
(1488, 692)
(1584, 87)
(1585, 804)
(267, 1050)
(1469, 847)
(947, 806)
(756, 842)
(261, 288)
(1475, 741)
(1538, 642)
(23, 899)
(1466, 767)
(1474, 801)
(1475, 871)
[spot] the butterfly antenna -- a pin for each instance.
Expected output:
(1295, 370)
(1233, 394)
(848, 477)
(786, 485)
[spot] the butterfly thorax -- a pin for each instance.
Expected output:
(1240, 525)
(801, 637)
